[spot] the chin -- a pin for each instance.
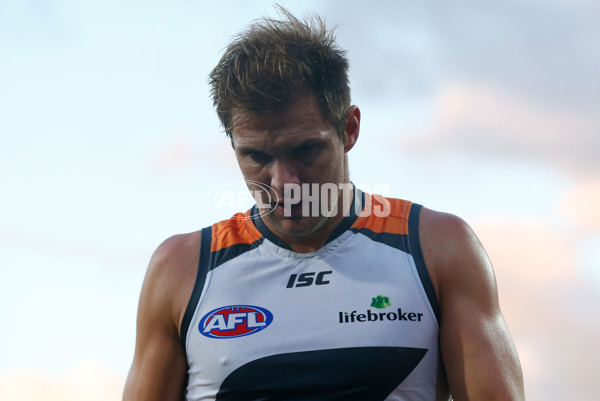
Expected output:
(300, 227)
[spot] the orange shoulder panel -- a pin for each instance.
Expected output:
(382, 214)
(237, 230)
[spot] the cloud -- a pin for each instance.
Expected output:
(90, 381)
(531, 250)
(178, 152)
(484, 120)
(581, 204)
(115, 257)
(547, 50)
(403, 49)
(192, 152)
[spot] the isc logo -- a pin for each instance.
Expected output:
(306, 279)
(234, 321)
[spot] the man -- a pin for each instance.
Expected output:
(315, 294)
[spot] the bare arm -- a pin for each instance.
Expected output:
(480, 359)
(159, 369)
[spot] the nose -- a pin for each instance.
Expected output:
(283, 172)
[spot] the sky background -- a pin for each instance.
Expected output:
(109, 144)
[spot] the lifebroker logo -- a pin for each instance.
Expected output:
(379, 302)
(235, 321)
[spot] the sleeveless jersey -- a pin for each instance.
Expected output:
(357, 319)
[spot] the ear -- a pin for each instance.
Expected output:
(352, 128)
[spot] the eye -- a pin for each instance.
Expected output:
(307, 148)
(306, 151)
(259, 157)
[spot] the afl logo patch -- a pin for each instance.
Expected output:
(234, 321)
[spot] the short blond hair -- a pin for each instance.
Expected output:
(267, 66)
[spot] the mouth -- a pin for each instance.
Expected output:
(288, 209)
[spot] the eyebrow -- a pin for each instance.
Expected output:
(305, 142)
(247, 149)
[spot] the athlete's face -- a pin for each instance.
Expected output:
(295, 146)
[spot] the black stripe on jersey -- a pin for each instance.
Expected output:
(203, 267)
(417, 254)
(347, 222)
(349, 374)
(226, 254)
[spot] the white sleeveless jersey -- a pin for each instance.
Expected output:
(355, 320)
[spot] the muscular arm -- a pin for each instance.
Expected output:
(159, 369)
(479, 357)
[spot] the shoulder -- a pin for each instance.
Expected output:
(453, 254)
(443, 234)
(171, 274)
(175, 250)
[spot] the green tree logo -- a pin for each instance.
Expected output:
(380, 302)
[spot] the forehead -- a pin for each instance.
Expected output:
(300, 122)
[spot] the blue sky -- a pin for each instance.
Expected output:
(109, 144)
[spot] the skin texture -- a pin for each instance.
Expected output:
(296, 146)
(478, 358)
(159, 368)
